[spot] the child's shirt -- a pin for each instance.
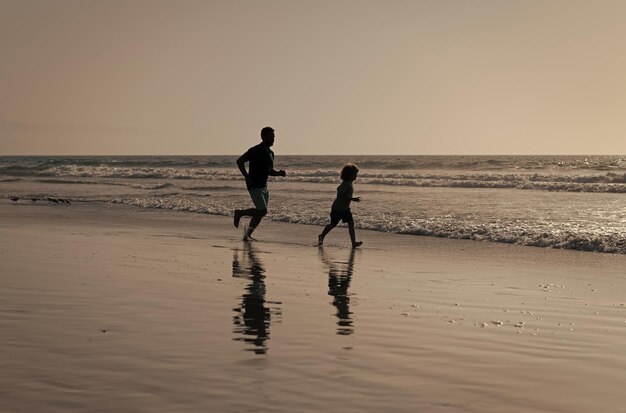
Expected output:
(344, 196)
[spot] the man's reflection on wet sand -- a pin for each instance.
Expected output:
(252, 321)
(339, 277)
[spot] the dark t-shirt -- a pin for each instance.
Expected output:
(344, 196)
(261, 164)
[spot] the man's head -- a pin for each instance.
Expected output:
(267, 134)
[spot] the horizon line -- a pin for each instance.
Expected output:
(327, 154)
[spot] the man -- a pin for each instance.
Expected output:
(261, 160)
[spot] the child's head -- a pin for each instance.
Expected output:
(349, 172)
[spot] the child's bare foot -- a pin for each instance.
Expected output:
(237, 218)
(357, 244)
(320, 241)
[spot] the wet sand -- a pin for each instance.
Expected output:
(107, 308)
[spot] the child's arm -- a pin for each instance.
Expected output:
(355, 199)
(346, 195)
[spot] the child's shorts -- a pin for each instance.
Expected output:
(343, 216)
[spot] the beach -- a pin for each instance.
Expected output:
(109, 308)
(169, 169)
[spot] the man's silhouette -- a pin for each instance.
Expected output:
(252, 319)
(261, 160)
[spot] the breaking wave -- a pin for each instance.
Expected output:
(443, 227)
(609, 182)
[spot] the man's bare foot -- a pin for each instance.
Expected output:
(237, 218)
(357, 244)
(320, 241)
(247, 234)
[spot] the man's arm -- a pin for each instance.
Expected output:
(241, 163)
(274, 172)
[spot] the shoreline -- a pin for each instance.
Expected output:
(162, 214)
(116, 308)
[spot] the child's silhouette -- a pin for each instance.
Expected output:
(340, 210)
(339, 277)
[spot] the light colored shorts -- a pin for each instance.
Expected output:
(260, 197)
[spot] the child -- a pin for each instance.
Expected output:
(340, 210)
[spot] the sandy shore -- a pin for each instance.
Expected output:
(112, 309)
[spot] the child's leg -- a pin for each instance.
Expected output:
(355, 243)
(326, 230)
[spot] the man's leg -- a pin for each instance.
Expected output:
(255, 221)
(260, 198)
(250, 212)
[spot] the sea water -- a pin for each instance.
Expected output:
(574, 202)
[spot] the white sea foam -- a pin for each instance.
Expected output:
(138, 185)
(522, 233)
(566, 202)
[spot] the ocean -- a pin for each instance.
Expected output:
(572, 202)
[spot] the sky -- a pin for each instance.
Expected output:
(417, 77)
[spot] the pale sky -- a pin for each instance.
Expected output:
(332, 77)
